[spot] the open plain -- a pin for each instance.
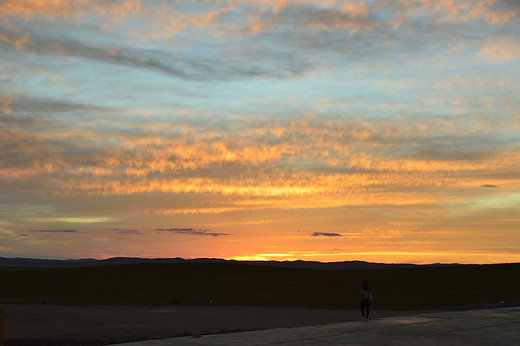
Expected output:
(470, 327)
(104, 324)
(28, 325)
(136, 302)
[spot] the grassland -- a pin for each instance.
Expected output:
(239, 284)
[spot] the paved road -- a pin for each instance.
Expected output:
(474, 327)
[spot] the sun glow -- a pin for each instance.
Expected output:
(389, 257)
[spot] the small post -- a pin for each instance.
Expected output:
(1, 326)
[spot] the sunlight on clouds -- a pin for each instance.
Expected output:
(391, 124)
(307, 202)
(468, 10)
(84, 219)
(342, 144)
(500, 51)
(65, 8)
(167, 19)
(294, 165)
(5, 101)
(198, 210)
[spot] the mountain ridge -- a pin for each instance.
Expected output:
(20, 262)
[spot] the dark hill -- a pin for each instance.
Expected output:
(228, 283)
(89, 262)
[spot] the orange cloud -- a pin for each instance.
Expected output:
(18, 41)
(166, 20)
(500, 51)
(5, 102)
(463, 11)
(314, 15)
(284, 165)
(64, 8)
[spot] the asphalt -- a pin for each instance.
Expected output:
(470, 327)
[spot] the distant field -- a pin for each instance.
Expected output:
(241, 284)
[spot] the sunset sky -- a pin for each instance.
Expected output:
(383, 131)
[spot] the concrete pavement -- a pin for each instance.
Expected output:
(471, 327)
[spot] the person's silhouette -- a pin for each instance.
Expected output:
(366, 299)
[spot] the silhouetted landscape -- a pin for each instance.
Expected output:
(135, 281)
(89, 262)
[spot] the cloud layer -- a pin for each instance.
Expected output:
(54, 230)
(377, 124)
(324, 234)
(192, 231)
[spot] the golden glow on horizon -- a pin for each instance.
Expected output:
(390, 257)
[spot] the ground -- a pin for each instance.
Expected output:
(102, 324)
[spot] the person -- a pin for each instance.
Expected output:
(366, 299)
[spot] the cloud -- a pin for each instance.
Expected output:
(450, 148)
(54, 147)
(193, 231)
(160, 61)
(65, 9)
(165, 61)
(254, 51)
(299, 163)
(502, 51)
(126, 231)
(5, 102)
(312, 104)
(40, 111)
(464, 11)
(309, 16)
(323, 234)
(209, 12)
(54, 230)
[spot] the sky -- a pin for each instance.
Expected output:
(382, 131)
